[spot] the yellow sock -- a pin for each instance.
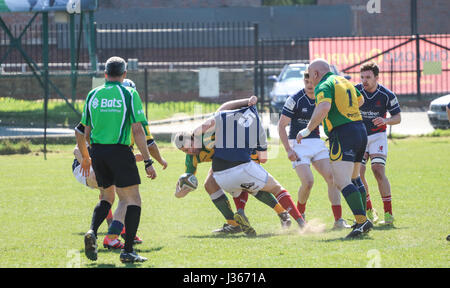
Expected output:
(360, 219)
(232, 223)
(279, 209)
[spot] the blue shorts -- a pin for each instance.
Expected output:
(348, 142)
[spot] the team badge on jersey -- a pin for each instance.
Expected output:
(95, 103)
(380, 148)
(290, 103)
(247, 185)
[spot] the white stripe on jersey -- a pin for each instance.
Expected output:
(90, 106)
(124, 112)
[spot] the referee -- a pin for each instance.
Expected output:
(111, 113)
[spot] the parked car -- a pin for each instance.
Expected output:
(437, 113)
(289, 82)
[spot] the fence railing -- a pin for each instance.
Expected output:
(417, 67)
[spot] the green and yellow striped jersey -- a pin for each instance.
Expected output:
(343, 97)
(206, 154)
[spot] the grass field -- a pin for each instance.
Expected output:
(31, 113)
(46, 212)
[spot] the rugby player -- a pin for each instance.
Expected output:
(111, 113)
(337, 107)
(185, 142)
(238, 132)
(378, 100)
(297, 111)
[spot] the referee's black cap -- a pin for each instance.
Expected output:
(115, 66)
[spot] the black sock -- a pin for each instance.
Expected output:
(132, 218)
(99, 215)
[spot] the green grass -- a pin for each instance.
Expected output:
(46, 212)
(31, 113)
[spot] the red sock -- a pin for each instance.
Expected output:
(369, 203)
(337, 212)
(110, 215)
(284, 198)
(241, 200)
(301, 207)
(387, 202)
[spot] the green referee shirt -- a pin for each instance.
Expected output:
(110, 110)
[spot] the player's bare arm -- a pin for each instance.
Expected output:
(86, 161)
(206, 126)
(319, 114)
(282, 123)
(77, 154)
(236, 104)
(141, 143)
(394, 120)
(154, 152)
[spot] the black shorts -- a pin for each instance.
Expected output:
(114, 165)
(348, 142)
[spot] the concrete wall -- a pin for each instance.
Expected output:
(162, 86)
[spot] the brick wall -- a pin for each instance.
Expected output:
(395, 17)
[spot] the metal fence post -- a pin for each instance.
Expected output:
(146, 92)
(73, 69)
(46, 80)
(256, 56)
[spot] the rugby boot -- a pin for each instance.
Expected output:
(245, 225)
(90, 245)
(131, 257)
(359, 229)
(372, 215)
(112, 244)
(136, 240)
(341, 224)
(285, 220)
(388, 220)
(228, 229)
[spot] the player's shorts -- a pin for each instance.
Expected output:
(249, 176)
(114, 164)
(348, 142)
(309, 150)
(76, 170)
(377, 144)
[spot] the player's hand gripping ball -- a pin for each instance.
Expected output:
(186, 183)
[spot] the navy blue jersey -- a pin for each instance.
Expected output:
(238, 133)
(300, 108)
(377, 104)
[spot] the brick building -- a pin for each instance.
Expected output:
(433, 17)
(178, 3)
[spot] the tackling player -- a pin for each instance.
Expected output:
(238, 132)
(297, 112)
(378, 100)
(185, 142)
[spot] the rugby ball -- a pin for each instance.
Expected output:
(186, 183)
